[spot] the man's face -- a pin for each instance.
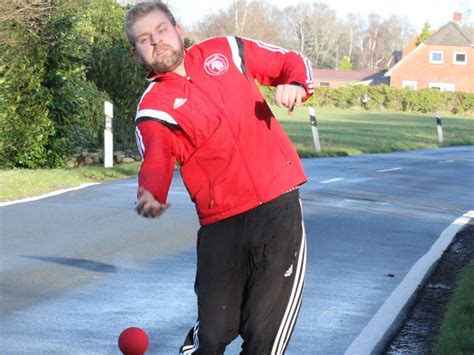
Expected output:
(158, 43)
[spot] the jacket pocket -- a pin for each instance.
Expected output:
(215, 175)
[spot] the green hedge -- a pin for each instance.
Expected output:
(55, 78)
(111, 67)
(90, 62)
(77, 103)
(383, 97)
(25, 125)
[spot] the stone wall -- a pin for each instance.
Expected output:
(84, 157)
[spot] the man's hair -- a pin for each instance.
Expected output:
(142, 9)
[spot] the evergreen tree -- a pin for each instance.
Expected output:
(345, 63)
(424, 35)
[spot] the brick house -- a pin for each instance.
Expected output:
(335, 78)
(444, 62)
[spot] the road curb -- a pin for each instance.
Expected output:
(49, 194)
(383, 326)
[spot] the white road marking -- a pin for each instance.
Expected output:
(176, 192)
(387, 318)
(391, 169)
(54, 193)
(331, 180)
(446, 161)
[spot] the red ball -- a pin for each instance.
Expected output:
(133, 341)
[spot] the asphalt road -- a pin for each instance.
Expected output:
(78, 268)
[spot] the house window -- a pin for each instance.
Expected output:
(409, 84)
(442, 86)
(324, 84)
(460, 58)
(436, 57)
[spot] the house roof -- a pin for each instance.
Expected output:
(354, 76)
(343, 75)
(451, 34)
(389, 72)
(411, 45)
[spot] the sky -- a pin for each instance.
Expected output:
(436, 12)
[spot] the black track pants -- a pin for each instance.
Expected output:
(249, 280)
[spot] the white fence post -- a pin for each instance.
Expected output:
(314, 128)
(108, 136)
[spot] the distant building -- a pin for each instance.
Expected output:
(444, 62)
(335, 78)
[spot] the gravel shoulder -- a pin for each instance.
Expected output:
(419, 332)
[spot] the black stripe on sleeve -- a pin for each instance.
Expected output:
(240, 45)
(164, 123)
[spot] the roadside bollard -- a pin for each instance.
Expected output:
(108, 136)
(439, 127)
(314, 128)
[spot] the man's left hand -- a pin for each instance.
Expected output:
(289, 95)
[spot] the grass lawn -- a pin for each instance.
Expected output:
(20, 183)
(350, 132)
(457, 328)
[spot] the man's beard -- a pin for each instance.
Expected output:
(169, 62)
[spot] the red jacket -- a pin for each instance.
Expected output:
(233, 153)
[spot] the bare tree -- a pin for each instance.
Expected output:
(298, 19)
(240, 15)
(352, 33)
(215, 24)
(369, 54)
(31, 14)
(315, 32)
(380, 40)
(467, 10)
(256, 19)
(314, 29)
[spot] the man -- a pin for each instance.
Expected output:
(203, 109)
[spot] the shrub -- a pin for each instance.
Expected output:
(106, 71)
(111, 67)
(56, 77)
(376, 97)
(392, 97)
(427, 100)
(462, 103)
(25, 127)
(77, 104)
(385, 97)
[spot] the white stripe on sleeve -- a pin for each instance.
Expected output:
(139, 139)
(160, 115)
(235, 52)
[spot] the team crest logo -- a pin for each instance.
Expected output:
(216, 64)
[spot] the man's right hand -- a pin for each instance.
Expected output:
(289, 96)
(148, 206)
